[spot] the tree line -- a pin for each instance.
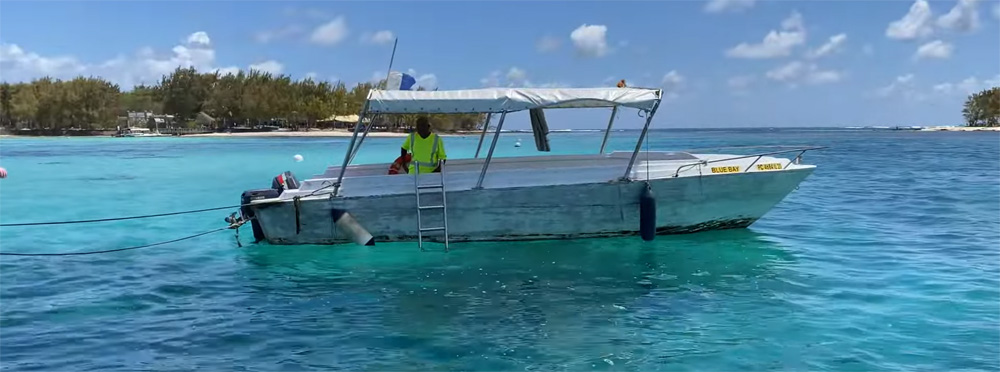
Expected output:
(982, 109)
(250, 98)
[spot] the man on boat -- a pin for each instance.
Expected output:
(425, 147)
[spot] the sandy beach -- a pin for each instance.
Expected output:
(961, 129)
(276, 134)
(312, 133)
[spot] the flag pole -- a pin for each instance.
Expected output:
(389, 71)
(393, 57)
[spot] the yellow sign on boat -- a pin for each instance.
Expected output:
(769, 166)
(728, 169)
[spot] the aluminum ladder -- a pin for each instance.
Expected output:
(417, 187)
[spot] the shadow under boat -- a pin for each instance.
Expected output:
(540, 300)
(619, 269)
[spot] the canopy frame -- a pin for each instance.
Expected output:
(498, 100)
(595, 102)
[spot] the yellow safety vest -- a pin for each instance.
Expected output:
(425, 150)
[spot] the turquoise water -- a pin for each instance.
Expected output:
(886, 258)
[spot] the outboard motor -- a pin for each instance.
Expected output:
(285, 181)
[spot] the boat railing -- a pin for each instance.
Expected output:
(789, 149)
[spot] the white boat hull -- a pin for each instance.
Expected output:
(510, 207)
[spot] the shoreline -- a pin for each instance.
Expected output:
(317, 133)
(276, 134)
(960, 129)
(312, 133)
(340, 133)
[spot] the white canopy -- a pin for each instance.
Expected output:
(507, 99)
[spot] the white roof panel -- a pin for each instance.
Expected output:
(507, 99)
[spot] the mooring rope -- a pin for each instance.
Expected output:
(119, 249)
(117, 218)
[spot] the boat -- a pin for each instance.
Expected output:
(139, 132)
(489, 198)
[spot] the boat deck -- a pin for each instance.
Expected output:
(520, 163)
(512, 172)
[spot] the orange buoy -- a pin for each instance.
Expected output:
(399, 166)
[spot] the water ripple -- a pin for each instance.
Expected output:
(869, 265)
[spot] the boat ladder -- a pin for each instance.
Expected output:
(417, 187)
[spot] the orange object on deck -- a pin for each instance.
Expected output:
(400, 165)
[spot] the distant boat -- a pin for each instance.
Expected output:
(140, 132)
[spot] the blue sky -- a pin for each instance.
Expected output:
(721, 63)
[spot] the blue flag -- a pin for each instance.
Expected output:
(400, 81)
(407, 82)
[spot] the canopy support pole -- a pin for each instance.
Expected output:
(350, 149)
(363, 136)
(489, 156)
(483, 136)
(614, 111)
(642, 136)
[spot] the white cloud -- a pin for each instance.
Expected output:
(231, 70)
(996, 11)
(672, 83)
(146, 66)
(515, 77)
(269, 66)
(914, 25)
(548, 44)
(672, 80)
(832, 46)
(492, 80)
(311, 75)
(934, 49)
(590, 40)
(793, 22)
(330, 33)
(268, 36)
(775, 43)
(902, 83)
(796, 72)
(824, 77)
(199, 38)
(19, 65)
(378, 37)
(788, 72)
(967, 86)
(964, 17)
(719, 6)
(427, 81)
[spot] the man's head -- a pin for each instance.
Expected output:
(423, 126)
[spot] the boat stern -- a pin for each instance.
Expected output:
(250, 199)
